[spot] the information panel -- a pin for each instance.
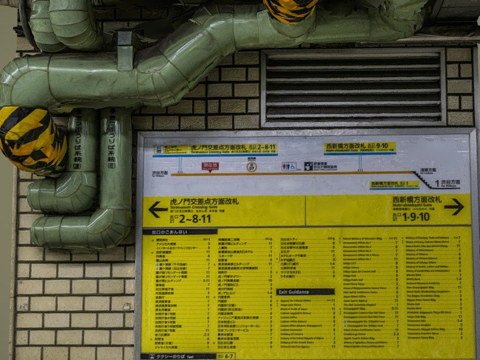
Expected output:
(306, 247)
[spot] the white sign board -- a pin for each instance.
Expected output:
(306, 246)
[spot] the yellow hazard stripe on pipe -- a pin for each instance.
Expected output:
(290, 11)
(30, 139)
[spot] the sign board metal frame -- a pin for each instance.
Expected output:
(151, 138)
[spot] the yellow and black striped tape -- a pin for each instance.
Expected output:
(30, 139)
(290, 11)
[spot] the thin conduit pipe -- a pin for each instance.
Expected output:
(111, 222)
(76, 189)
(23, 17)
(14, 3)
(164, 73)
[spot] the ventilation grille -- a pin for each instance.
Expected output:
(381, 87)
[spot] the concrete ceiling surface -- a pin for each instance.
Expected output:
(456, 10)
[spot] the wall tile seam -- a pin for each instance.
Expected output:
(80, 346)
(217, 82)
(461, 78)
(102, 253)
(85, 311)
(74, 312)
(219, 98)
(72, 346)
(75, 262)
(449, 83)
(455, 62)
(461, 126)
(460, 94)
(468, 111)
(47, 294)
(247, 67)
(81, 278)
(222, 113)
(13, 264)
(61, 294)
(64, 262)
(82, 329)
(186, 115)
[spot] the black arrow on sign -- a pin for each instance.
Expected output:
(459, 207)
(153, 209)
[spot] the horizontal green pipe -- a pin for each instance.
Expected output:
(74, 24)
(165, 72)
(27, 78)
(14, 3)
(76, 189)
(41, 26)
(111, 222)
(105, 229)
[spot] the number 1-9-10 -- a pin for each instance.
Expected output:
(423, 216)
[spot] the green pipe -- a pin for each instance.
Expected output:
(11, 3)
(76, 189)
(41, 26)
(74, 24)
(15, 3)
(111, 222)
(165, 72)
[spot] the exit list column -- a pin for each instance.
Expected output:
(182, 294)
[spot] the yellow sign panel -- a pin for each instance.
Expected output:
(392, 185)
(385, 210)
(349, 293)
(217, 149)
(326, 210)
(312, 280)
(360, 147)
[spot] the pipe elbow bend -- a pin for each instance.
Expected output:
(398, 23)
(74, 25)
(72, 193)
(108, 228)
(25, 82)
(42, 27)
(105, 229)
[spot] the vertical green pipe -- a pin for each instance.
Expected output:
(111, 222)
(116, 159)
(76, 189)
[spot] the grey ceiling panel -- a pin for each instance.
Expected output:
(456, 11)
(460, 3)
(459, 13)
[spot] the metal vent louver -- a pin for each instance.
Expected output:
(367, 87)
